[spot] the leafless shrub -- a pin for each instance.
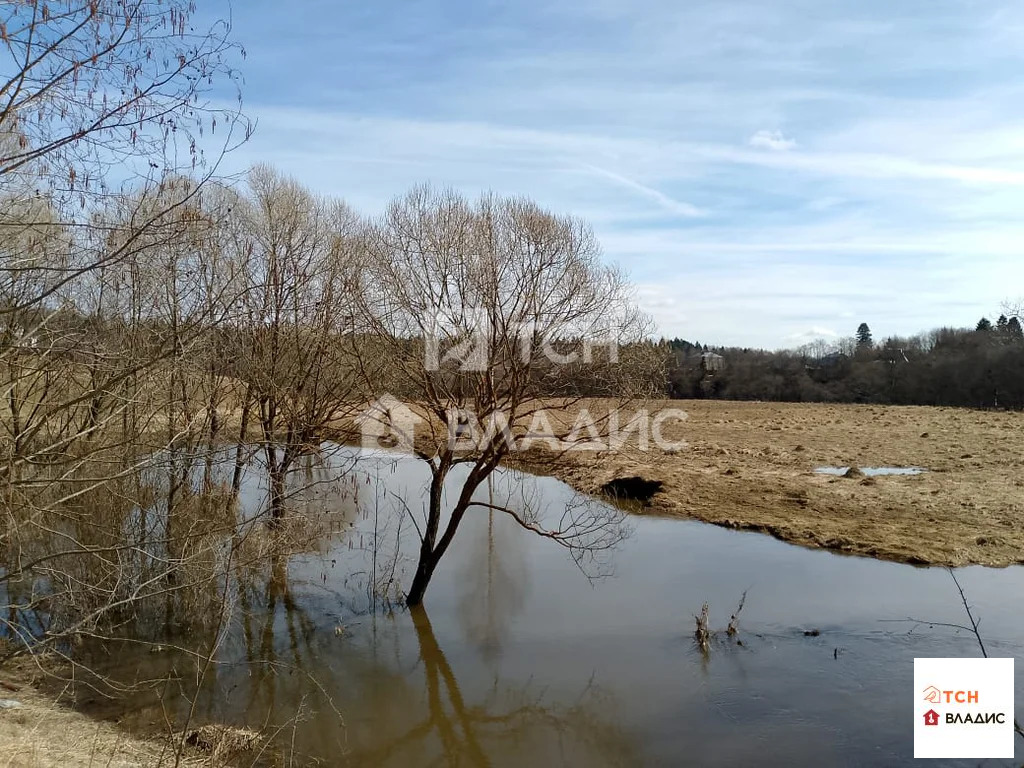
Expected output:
(297, 311)
(466, 302)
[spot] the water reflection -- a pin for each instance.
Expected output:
(495, 582)
(387, 695)
(522, 660)
(503, 725)
(871, 471)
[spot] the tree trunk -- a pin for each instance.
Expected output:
(214, 419)
(424, 572)
(277, 493)
(431, 554)
(428, 558)
(236, 478)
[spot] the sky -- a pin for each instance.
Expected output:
(768, 173)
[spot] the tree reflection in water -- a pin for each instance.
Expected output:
(371, 698)
(494, 581)
(509, 726)
(306, 658)
(385, 692)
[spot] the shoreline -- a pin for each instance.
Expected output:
(42, 731)
(750, 466)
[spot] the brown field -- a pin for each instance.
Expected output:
(749, 465)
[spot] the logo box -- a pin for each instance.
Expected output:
(963, 708)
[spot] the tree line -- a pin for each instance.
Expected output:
(980, 367)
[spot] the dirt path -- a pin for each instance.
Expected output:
(751, 466)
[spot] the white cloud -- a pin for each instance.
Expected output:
(773, 140)
(425, 144)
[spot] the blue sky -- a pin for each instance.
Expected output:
(768, 173)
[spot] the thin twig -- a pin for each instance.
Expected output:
(981, 643)
(970, 616)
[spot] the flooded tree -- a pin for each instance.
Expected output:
(297, 312)
(482, 310)
(107, 142)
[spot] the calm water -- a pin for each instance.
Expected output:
(518, 659)
(872, 471)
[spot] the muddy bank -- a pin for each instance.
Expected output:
(752, 466)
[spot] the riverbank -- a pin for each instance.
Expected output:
(751, 466)
(37, 730)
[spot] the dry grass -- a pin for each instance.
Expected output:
(42, 733)
(751, 466)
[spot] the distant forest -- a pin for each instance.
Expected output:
(981, 367)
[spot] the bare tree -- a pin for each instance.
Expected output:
(298, 309)
(480, 310)
(103, 124)
(104, 84)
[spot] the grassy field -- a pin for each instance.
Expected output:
(751, 465)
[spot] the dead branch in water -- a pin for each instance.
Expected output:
(981, 643)
(703, 634)
(734, 620)
(970, 616)
(973, 629)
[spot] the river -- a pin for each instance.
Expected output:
(518, 658)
